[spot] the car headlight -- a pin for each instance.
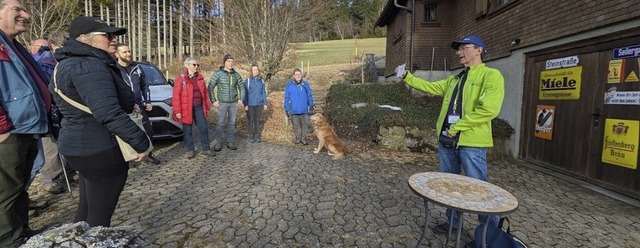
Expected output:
(167, 101)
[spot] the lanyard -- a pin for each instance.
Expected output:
(457, 92)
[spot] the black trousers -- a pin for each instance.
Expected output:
(254, 117)
(102, 179)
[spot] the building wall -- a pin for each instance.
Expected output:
(512, 68)
(397, 42)
(538, 21)
(432, 37)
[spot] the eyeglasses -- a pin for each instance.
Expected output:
(109, 36)
(462, 48)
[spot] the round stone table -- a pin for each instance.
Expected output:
(463, 194)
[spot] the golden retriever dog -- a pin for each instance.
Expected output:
(327, 137)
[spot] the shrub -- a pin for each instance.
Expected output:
(363, 123)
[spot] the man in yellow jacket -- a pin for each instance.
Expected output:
(471, 99)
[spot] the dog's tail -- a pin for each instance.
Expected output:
(336, 156)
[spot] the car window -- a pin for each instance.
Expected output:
(152, 75)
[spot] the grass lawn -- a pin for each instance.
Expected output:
(339, 51)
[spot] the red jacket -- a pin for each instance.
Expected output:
(182, 100)
(5, 123)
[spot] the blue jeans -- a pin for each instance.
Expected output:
(200, 121)
(226, 111)
(473, 162)
(37, 164)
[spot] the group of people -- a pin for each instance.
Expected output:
(94, 70)
(227, 91)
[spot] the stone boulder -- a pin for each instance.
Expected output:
(82, 235)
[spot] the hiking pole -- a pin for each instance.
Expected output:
(63, 162)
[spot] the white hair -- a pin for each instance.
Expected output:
(189, 60)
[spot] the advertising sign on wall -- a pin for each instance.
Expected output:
(623, 71)
(613, 96)
(561, 84)
(544, 121)
(620, 144)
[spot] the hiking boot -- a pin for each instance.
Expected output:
(53, 188)
(217, 147)
(37, 205)
(231, 146)
(28, 232)
(209, 153)
(191, 154)
(444, 229)
(471, 244)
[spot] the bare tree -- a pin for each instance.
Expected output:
(262, 29)
(49, 16)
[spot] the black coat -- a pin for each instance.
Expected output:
(89, 76)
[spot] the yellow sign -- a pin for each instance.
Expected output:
(561, 84)
(544, 121)
(620, 145)
(632, 77)
(615, 69)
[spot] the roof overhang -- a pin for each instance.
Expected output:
(389, 12)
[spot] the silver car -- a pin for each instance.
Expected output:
(161, 92)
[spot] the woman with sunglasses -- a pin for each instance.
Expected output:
(87, 74)
(191, 105)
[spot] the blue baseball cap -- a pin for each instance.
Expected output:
(471, 39)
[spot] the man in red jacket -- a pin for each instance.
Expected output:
(191, 104)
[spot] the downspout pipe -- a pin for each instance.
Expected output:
(413, 29)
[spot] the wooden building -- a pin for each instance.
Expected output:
(571, 68)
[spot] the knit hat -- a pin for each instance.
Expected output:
(226, 57)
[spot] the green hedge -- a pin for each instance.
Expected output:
(421, 112)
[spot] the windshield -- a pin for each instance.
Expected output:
(152, 75)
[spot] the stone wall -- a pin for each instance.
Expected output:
(421, 140)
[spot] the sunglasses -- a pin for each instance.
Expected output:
(109, 36)
(195, 65)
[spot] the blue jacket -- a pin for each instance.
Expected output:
(298, 98)
(20, 97)
(44, 57)
(255, 92)
(134, 77)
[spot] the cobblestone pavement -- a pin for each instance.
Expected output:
(266, 195)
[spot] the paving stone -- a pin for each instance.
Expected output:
(265, 195)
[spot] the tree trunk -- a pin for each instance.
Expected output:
(191, 14)
(159, 61)
(149, 31)
(171, 35)
(180, 29)
(140, 34)
(164, 33)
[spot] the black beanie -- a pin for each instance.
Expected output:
(226, 57)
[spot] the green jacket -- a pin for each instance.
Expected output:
(481, 98)
(230, 86)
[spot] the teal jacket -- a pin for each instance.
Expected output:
(230, 86)
(481, 102)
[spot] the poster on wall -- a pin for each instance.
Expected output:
(561, 84)
(544, 121)
(625, 66)
(613, 96)
(620, 145)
